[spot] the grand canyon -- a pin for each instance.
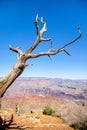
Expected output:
(67, 97)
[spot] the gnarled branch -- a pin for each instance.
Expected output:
(54, 52)
(40, 32)
(17, 50)
(74, 39)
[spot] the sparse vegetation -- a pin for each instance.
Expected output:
(79, 126)
(48, 111)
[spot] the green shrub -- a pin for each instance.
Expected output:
(48, 111)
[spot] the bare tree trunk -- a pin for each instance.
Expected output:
(0, 103)
(22, 57)
(8, 80)
(12, 75)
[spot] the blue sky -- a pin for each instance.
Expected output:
(62, 18)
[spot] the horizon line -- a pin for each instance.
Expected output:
(49, 77)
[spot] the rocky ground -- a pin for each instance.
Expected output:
(69, 110)
(31, 121)
(67, 97)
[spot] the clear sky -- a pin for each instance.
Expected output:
(62, 18)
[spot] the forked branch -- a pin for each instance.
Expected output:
(40, 32)
(39, 39)
(54, 52)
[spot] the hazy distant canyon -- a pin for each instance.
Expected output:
(74, 89)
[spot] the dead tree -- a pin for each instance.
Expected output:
(20, 64)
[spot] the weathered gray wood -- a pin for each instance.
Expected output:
(20, 65)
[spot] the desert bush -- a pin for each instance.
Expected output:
(79, 126)
(48, 111)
